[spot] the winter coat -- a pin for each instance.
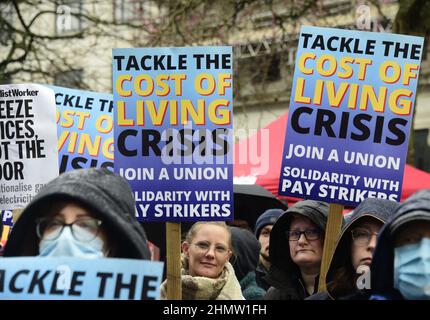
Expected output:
(250, 289)
(246, 251)
(416, 207)
(225, 287)
(284, 275)
(260, 277)
(105, 194)
(341, 269)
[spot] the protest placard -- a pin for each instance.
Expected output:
(85, 129)
(350, 115)
(7, 221)
(173, 131)
(28, 142)
(38, 278)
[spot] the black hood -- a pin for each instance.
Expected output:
(378, 209)
(284, 272)
(106, 194)
(246, 250)
(416, 207)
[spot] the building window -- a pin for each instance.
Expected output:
(125, 11)
(69, 79)
(266, 68)
(69, 16)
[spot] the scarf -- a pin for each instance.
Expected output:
(225, 287)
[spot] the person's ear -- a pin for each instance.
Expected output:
(185, 248)
(230, 253)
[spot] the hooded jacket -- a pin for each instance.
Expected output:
(104, 193)
(284, 275)
(246, 249)
(416, 207)
(269, 217)
(380, 210)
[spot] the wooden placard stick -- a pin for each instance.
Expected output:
(333, 229)
(16, 213)
(173, 257)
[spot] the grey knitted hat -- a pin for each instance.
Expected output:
(106, 194)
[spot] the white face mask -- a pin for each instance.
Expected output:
(67, 246)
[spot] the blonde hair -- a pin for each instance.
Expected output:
(196, 226)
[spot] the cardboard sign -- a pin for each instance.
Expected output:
(173, 131)
(79, 279)
(85, 129)
(350, 115)
(28, 142)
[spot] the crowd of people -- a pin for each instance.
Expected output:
(382, 253)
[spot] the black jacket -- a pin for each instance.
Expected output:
(106, 194)
(246, 249)
(416, 207)
(380, 210)
(284, 275)
(260, 277)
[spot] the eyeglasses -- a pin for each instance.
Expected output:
(203, 247)
(362, 237)
(310, 234)
(84, 230)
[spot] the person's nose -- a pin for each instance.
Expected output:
(372, 243)
(302, 239)
(210, 253)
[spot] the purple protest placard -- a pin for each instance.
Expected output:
(350, 115)
(173, 131)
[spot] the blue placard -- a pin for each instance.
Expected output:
(7, 221)
(350, 115)
(7, 217)
(173, 131)
(79, 279)
(85, 129)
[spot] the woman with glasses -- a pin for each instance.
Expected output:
(401, 263)
(85, 213)
(296, 246)
(349, 267)
(206, 271)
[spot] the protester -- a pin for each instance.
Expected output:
(354, 250)
(85, 213)
(296, 246)
(401, 263)
(263, 228)
(246, 250)
(206, 271)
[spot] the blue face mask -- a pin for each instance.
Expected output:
(67, 246)
(412, 270)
